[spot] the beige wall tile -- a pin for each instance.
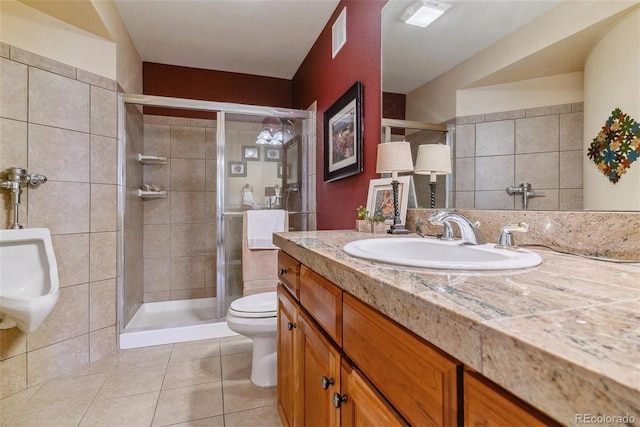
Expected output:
(96, 80)
(158, 175)
(102, 255)
(187, 272)
(72, 256)
(570, 199)
(42, 62)
(102, 304)
(504, 115)
(103, 207)
(547, 199)
(493, 200)
(465, 141)
(157, 211)
(187, 175)
(211, 142)
(187, 142)
(537, 134)
(59, 154)
(4, 50)
(69, 318)
(12, 375)
(58, 101)
(12, 343)
(465, 174)
(211, 203)
(157, 274)
(104, 112)
(539, 169)
(187, 240)
(157, 140)
(571, 131)
(102, 343)
(495, 138)
(157, 241)
(157, 296)
(57, 359)
(13, 143)
(62, 207)
(211, 175)
(187, 207)
(464, 199)
(104, 156)
(571, 169)
(548, 110)
(494, 173)
(13, 86)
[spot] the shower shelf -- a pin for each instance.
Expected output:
(143, 194)
(152, 160)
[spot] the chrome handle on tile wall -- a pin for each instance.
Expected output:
(15, 178)
(525, 190)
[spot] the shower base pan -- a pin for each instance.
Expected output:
(168, 322)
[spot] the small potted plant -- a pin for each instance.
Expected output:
(377, 224)
(362, 224)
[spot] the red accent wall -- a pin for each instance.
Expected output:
(210, 85)
(325, 79)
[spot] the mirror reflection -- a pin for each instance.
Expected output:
(511, 80)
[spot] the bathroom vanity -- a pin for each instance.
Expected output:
(363, 342)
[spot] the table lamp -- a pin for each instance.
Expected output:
(433, 159)
(394, 157)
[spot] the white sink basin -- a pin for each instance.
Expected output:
(433, 253)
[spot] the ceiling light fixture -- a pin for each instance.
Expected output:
(421, 13)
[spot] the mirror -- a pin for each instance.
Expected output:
(514, 110)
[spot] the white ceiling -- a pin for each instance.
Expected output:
(262, 37)
(272, 37)
(413, 56)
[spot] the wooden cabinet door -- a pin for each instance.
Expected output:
(320, 371)
(487, 405)
(287, 359)
(363, 405)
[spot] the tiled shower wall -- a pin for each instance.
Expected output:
(541, 146)
(62, 122)
(179, 246)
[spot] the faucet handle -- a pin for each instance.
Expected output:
(505, 239)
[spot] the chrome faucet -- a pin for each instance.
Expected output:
(469, 231)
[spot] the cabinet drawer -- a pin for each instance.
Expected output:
(420, 381)
(289, 273)
(323, 300)
(486, 404)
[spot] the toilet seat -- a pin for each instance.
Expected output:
(255, 306)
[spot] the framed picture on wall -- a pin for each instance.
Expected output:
(251, 153)
(237, 169)
(272, 154)
(343, 135)
(380, 198)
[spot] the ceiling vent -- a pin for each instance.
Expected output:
(339, 33)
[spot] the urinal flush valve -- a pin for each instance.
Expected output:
(15, 178)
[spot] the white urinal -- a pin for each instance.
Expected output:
(29, 287)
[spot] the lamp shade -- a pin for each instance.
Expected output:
(433, 159)
(394, 157)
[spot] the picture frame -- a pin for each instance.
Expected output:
(281, 171)
(237, 169)
(272, 154)
(380, 198)
(251, 153)
(343, 135)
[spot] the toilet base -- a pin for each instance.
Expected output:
(264, 362)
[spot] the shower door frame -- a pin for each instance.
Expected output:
(221, 109)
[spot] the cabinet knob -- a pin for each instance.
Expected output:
(326, 382)
(339, 399)
(282, 271)
(290, 325)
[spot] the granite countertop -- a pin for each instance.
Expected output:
(563, 336)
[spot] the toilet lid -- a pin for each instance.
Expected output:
(258, 305)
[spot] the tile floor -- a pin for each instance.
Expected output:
(198, 383)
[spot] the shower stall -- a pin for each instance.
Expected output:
(189, 169)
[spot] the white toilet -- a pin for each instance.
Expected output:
(255, 317)
(29, 287)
